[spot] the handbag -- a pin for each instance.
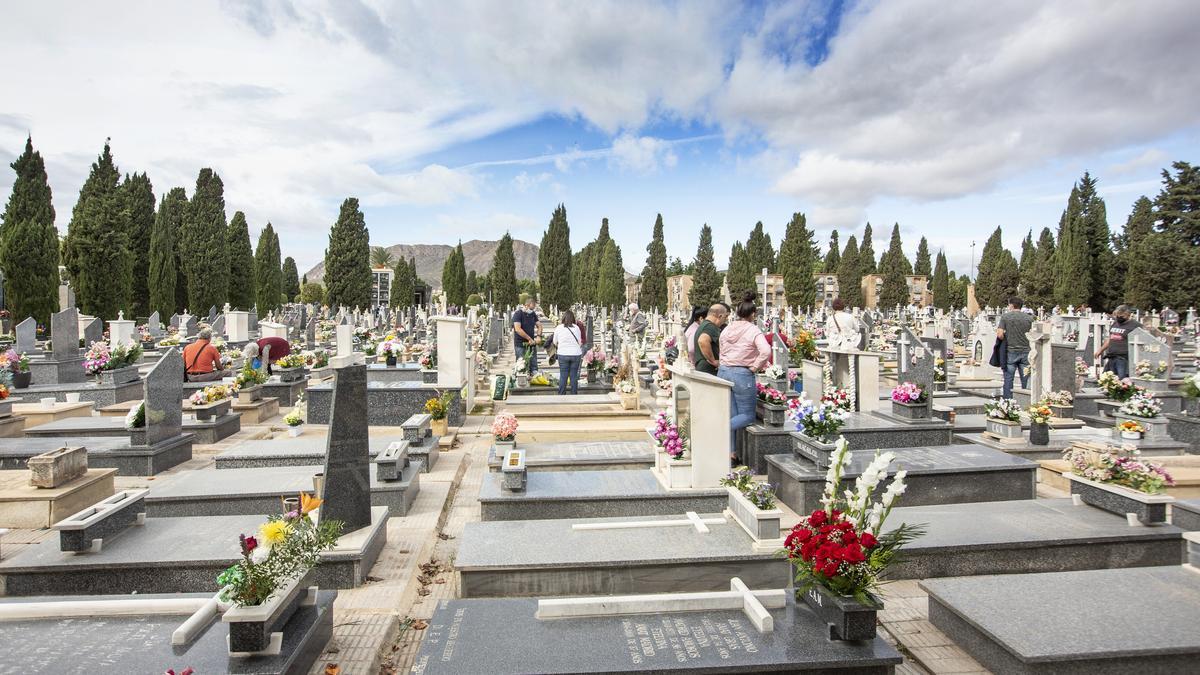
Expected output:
(551, 349)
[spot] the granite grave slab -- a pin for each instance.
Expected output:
(591, 494)
(583, 456)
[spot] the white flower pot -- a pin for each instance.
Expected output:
(295, 431)
(1131, 435)
(759, 523)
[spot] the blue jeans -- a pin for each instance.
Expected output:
(1117, 364)
(1017, 363)
(568, 367)
(742, 403)
(520, 348)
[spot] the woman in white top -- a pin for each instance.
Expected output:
(569, 340)
(843, 329)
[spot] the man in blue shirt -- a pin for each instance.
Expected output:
(526, 330)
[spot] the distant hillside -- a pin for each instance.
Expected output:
(431, 257)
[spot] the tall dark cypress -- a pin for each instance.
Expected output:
(137, 210)
(942, 298)
(242, 272)
(923, 266)
(739, 276)
(554, 262)
(833, 259)
(706, 281)
(798, 260)
(291, 278)
(454, 277)
(760, 254)
(866, 253)
(611, 285)
(348, 259)
(654, 276)
(268, 275)
(504, 274)
(29, 252)
(403, 285)
(164, 254)
(895, 270)
(850, 275)
(204, 250)
(97, 245)
(998, 276)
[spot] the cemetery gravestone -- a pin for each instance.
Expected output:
(347, 492)
(26, 333)
(163, 389)
(93, 332)
(153, 324)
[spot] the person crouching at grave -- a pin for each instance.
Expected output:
(274, 347)
(744, 351)
(201, 359)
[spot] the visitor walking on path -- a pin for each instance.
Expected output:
(568, 337)
(706, 352)
(744, 351)
(1013, 328)
(1116, 348)
(526, 330)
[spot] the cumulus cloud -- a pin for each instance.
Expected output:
(642, 154)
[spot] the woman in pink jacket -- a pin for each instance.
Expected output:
(744, 351)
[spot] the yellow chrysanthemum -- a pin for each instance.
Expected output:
(275, 532)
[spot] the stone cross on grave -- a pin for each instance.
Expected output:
(1143, 346)
(347, 454)
(690, 519)
(915, 364)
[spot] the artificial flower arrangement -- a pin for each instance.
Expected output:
(770, 395)
(939, 369)
(213, 393)
(662, 376)
(1120, 466)
(1190, 388)
(774, 372)
(370, 347)
(626, 387)
(102, 356)
(362, 334)
(317, 358)
(838, 398)
(1148, 371)
(293, 360)
(909, 393)
(4, 392)
(1040, 413)
(742, 480)
(172, 340)
(1081, 367)
(429, 359)
(1004, 409)
(1142, 404)
(504, 427)
(670, 343)
(391, 347)
(612, 365)
(1131, 427)
(1062, 397)
(817, 420)
(14, 363)
(438, 406)
(1071, 335)
(1116, 388)
(296, 417)
(842, 547)
(136, 417)
(669, 436)
(249, 376)
(285, 548)
(804, 346)
(593, 360)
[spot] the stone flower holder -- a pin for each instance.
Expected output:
(213, 410)
(817, 450)
(290, 374)
(137, 437)
(1151, 384)
(1134, 505)
(86, 530)
(910, 411)
(629, 401)
(119, 375)
(773, 415)
(1191, 406)
(22, 380)
(6, 408)
(250, 394)
(762, 524)
(255, 629)
(1062, 412)
(439, 427)
(848, 619)
(1156, 427)
(295, 430)
(1003, 430)
(939, 386)
(57, 467)
(522, 380)
(1039, 433)
(677, 472)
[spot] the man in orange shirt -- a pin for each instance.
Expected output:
(201, 360)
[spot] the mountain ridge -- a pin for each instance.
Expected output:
(430, 258)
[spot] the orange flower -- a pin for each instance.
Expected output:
(308, 504)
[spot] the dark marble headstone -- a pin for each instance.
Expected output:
(915, 363)
(26, 336)
(218, 325)
(93, 331)
(212, 314)
(310, 332)
(1062, 367)
(253, 320)
(174, 321)
(152, 324)
(64, 330)
(191, 327)
(590, 337)
(163, 392)
(347, 455)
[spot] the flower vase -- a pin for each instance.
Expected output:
(910, 411)
(503, 447)
(1131, 435)
(1039, 433)
(438, 427)
(21, 380)
(250, 628)
(848, 619)
(318, 480)
(294, 431)
(391, 361)
(1148, 509)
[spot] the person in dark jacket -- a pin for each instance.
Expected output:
(279, 348)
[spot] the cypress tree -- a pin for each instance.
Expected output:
(706, 282)
(922, 266)
(504, 274)
(1100, 259)
(29, 248)
(137, 210)
(760, 253)
(164, 254)
(895, 272)
(850, 275)
(611, 288)
(96, 250)
(1154, 268)
(472, 283)
(243, 264)
(291, 279)
(203, 245)
(554, 261)
(1178, 203)
(403, 285)
(942, 298)
(1028, 258)
(798, 259)
(454, 277)
(833, 259)
(654, 276)
(998, 275)
(348, 259)
(268, 276)
(1037, 285)
(1072, 278)
(739, 276)
(866, 253)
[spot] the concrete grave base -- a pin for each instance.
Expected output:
(25, 506)
(583, 456)
(103, 453)
(591, 494)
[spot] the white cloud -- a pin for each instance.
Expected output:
(524, 181)
(642, 154)
(1149, 158)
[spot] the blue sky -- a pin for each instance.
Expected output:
(457, 120)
